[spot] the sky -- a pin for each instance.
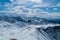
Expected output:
(42, 3)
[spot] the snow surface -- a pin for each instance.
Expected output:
(27, 32)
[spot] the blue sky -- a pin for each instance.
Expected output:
(4, 1)
(44, 1)
(50, 2)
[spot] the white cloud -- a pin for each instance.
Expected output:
(17, 10)
(37, 1)
(11, 0)
(58, 4)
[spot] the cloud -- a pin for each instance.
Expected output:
(58, 4)
(20, 10)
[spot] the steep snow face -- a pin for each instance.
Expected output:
(14, 31)
(22, 31)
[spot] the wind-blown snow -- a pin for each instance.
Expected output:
(9, 31)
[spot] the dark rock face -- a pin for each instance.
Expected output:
(13, 39)
(11, 19)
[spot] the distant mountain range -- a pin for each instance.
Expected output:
(29, 20)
